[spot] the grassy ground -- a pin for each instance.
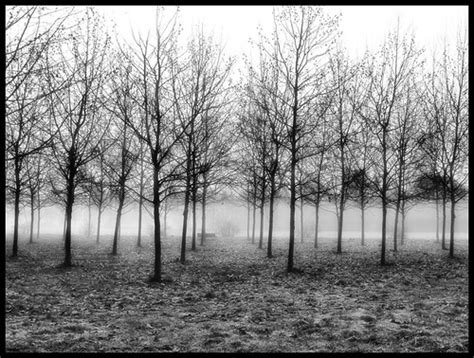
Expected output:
(230, 297)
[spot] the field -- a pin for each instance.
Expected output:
(229, 297)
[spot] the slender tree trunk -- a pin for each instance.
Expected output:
(117, 221)
(248, 220)
(185, 221)
(291, 245)
(402, 238)
(301, 217)
(99, 219)
(362, 217)
(437, 214)
(384, 196)
(32, 215)
(253, 219)
(156, 218)
(69, 204)
(16, 208)
(194, 200)
(90, 219)
(453, 216)
(443, 225)
(270, 219)
(140, 200)
(204, 198)
(39, 216)
(395, 225)
(316, 222)
(262, 207)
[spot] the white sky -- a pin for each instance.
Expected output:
(362, 26)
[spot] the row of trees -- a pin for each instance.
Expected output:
(383, 130)
(94, 119)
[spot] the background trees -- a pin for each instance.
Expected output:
(158, 121)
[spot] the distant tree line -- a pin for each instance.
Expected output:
(96, 120)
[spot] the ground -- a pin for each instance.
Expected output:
(229, 297)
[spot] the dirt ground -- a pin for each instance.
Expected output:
(229, 297)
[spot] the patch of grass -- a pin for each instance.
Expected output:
(229, 297)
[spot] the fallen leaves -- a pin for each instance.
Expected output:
(230, 297)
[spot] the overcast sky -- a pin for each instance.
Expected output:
(362, 26)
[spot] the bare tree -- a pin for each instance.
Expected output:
(197, 89)
(75, 110)
(301, 38)
(387, 73)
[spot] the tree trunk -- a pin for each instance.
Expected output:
(362, 217)
(69, 204)
(156, 218)
(453, 217)
(316, 223)
(17, 207)
(204, 197)
(248, 220)
(117, 221)
(90, 219)
(39, 216)
(402, 238)
(99, 218)
(437, 214)
(140, 200)
(253, 221)
(395, 226)
(32, 215)
(291, 245)
(384, 195)
(262, 207)
(443, 225)
(270, 216)
(185, 222)
(194, 200)
(301, 218)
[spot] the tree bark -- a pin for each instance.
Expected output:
(253, 218)
(118, 220)
(262, 207)
(39, 215)
(204, 198)
(443, 224)
(453, 216)
(437, 214)
(316, 223)
(156, 218)
(301, 218)
(384, 195)
(32, 215)
(248, 220)
(99, 218)
(291, 245)
(185, 221)
(395, 226)
(194, 200)
(69, 204)
(17, 207)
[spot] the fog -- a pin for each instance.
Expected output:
(229, 217)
